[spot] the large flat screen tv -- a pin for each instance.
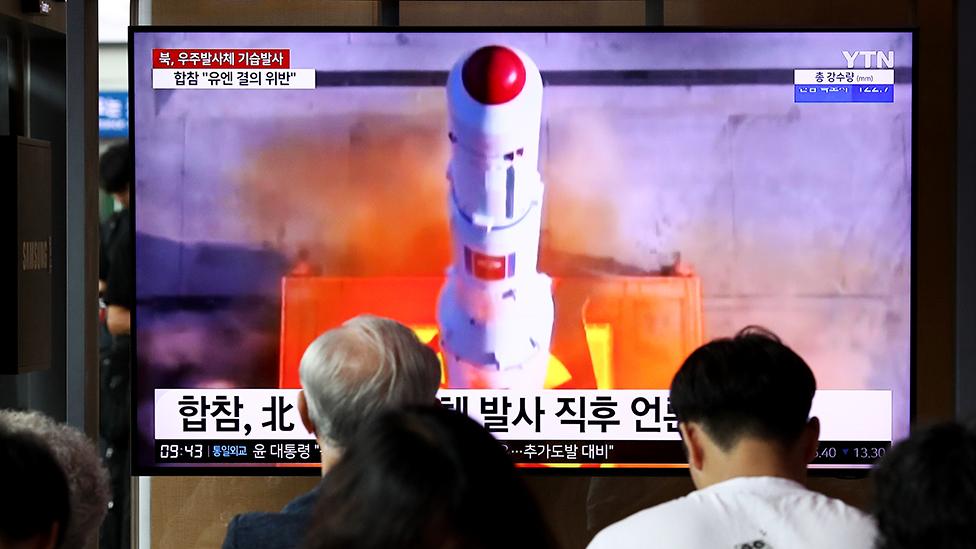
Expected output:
(562, 216)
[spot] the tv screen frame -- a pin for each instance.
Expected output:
(436, 78)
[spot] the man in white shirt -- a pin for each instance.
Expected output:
(743, 407)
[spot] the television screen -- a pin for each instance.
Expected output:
(562, 216)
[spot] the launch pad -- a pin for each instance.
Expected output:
(609, 332)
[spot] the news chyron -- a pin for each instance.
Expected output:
(563, 217)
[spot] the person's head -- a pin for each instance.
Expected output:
(351, 373)
(88, 484)
(925, 490)
(425, 478)
(34, 507)
(114, 172)
(745, 401)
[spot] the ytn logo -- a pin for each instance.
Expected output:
(882, 60)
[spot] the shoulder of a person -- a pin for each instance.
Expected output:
(124, 219)
(303, 504)
(119, 216)
(261, 530)
(233, 530)
(634, 531)
(108, 227)
(800, 496)
(831, 516)
(823, 504)
(243, 524)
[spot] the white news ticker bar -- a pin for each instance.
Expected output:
(844, 415)
(860, 76)
(233, 79)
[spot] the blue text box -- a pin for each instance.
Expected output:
(874, 93)
(822, 93)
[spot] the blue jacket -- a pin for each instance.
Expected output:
(284, 530)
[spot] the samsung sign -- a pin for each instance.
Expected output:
(113, 114)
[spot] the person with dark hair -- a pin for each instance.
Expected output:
(34, 502)
(115, 260)
(117, 288)
(115, 170)
(426, 478)
(743, 407)
(925, 490)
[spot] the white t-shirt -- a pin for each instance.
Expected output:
(744, 513)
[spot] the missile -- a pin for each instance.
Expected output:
(495, 310)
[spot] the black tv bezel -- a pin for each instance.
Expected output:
(665, 470)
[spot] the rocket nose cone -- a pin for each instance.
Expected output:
(493, 75)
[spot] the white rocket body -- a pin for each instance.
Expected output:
(495, 310)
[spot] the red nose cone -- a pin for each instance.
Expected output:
(493, 75)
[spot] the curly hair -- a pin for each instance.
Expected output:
(88, 480)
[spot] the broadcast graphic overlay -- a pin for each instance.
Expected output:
(562, 217)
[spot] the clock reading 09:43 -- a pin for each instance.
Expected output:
(176, 451)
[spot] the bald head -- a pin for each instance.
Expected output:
(353, 372)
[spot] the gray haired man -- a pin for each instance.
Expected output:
(349, 375)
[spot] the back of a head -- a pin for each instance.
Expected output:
(34, 505)
(88, 484)
(925, 490)
(352, 373)
(425, 478)
(748, 385)
(114, 169)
